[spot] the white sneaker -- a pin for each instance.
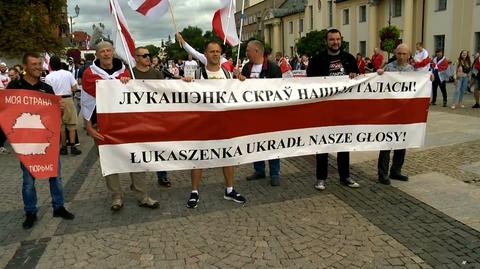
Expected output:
(4, 151)
(320, 185)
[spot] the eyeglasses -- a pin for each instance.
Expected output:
(144, 55)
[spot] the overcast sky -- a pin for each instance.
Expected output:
(144, 30)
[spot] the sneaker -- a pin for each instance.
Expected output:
(350, 183)
(117, 204)
(399, 177)
(384, 180)
(476, 105)
(149, 203)
(75, 151)
(63, 151)
(62, 213)
(256, 176)
(275, 181)
(320, 185)
(193, 200)
(30, 219)
(4, 151)
(234, 196)
(164, 182)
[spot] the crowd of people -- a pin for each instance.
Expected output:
(67, 80)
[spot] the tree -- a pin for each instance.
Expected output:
(389, 38)
(314, 42)
(30, 25)
(153, 50)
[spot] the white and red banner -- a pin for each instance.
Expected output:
(223, 23)
(172, 125)
(151, 8)
(31, 122)
(121, 35)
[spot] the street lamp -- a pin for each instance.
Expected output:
(77, 11)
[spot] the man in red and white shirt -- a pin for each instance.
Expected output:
(377, 59)
(439, 67)
(421, 58)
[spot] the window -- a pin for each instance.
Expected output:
(362, 47)
(290, 27)
(320, 4)
(478, 2)
(347, 46)
(330, 13)
(311, 17)
(362, 14)
(439, 42)
(397, 8)
(291, 50)
(300, 26)
(441, 5)
(346, 16)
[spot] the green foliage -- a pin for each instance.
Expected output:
(30, 26)
(152, 49)
(389, 38)
(195, 37)
(314, 42)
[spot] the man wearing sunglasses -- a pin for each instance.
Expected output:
(143, 70)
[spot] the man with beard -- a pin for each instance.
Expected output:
(333, 62)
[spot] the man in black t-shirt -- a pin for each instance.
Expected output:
(333, 62)
(31, 81)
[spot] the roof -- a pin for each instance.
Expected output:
(290, 7)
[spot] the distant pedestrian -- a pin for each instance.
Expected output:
(463, 66)
(421, 59)
(360, 63)
(377, 59)
(439, 67)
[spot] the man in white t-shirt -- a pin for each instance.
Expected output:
(4, 79)
(213, 70)
(64, 84)
(189, 66)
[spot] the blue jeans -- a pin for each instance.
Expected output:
(30, 194)
(162, 175)
(462, 85)
(274, 166)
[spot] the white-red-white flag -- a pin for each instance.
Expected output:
(122, 38)
(223, 25)
(46, 62)
(150, 8)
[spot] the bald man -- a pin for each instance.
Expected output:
(402, 54)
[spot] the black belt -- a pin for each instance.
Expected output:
(66, 96)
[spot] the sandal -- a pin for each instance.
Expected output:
(164, 182)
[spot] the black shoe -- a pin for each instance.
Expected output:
(193, 200)
(275, 181)
(63, 151)
(164, 182)
(234, 196)
(384, 180)
(349, 183)
(62, 213)
(75, 151)
(476, 105)
(433, 104)
(399, 177)
(30, 219)
(444, 104)
(256, 176)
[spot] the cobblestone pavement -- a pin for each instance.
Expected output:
(291, 226)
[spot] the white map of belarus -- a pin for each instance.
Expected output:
(23, 124)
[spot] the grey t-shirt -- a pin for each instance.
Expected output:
(394, 66)
(152, 73)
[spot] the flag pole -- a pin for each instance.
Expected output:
(242, 16)
(228, 22)
(119, 29)
(170, 8)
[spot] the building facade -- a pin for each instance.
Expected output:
(439, 24)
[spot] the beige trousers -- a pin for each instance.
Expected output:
(138, 186)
